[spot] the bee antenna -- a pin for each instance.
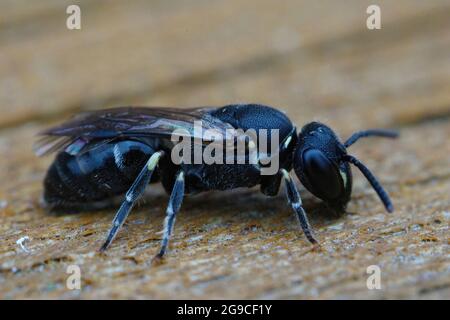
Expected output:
(370, 133)
(373, 181)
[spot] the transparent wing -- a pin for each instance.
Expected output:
(90, 129)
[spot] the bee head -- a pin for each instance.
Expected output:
(318, 164)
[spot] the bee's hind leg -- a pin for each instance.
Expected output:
(135, 191)
(176, 198)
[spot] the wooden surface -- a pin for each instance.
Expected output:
(314, 59)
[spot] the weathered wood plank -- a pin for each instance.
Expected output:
(246, 228)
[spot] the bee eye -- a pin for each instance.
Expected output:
(322, 175)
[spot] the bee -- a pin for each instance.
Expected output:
(118, 152)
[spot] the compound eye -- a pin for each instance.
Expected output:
(323, 175)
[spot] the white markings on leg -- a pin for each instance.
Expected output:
(297, 205)
(133, 193)
(129, 197)
(286, 174)
(153, 161)
(167, 225)
(171, 211)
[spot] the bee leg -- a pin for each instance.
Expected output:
(176, 198)
(135, 191)
(296, 203)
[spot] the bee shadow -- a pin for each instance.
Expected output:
(217, 204)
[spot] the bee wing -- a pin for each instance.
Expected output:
(102, 126)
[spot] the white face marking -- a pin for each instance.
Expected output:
(286, 143)
(118, 157)
(344, 177)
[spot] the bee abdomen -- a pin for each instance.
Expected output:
(96, 175)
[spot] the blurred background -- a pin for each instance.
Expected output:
(317, 60)
(312, 58)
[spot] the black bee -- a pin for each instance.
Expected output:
(109, 153)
